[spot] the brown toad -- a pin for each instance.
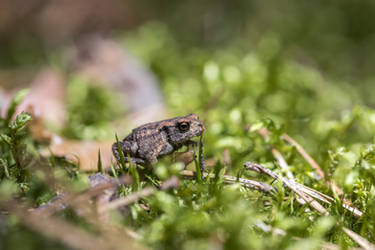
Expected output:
(145, 144)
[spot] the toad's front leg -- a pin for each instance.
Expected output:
(135, 160)
(151, 156)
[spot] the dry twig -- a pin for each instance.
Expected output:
(276, 153)
(305, 155)
(303, 191)
(347, 204)
(365, 244)
(65, 232)
(295, 187)
(131, 198)
(260, 186)
(72, 199)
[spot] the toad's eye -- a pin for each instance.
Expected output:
(183, 126)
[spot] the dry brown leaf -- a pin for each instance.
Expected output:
(106, 62)
(47, 97)
(84, 153)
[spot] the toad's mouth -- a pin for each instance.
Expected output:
(195, 141)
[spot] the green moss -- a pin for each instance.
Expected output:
(91, 108)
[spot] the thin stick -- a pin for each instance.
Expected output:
(65, 232)
(260, 186)
(278, 156)
(269, 229)
(279, 232)
(126, 200)
(282, 162)
(365, 244)
(305, 155)
(66, 199)
(79, 201)
(347, 203)
(290, 184)
(306, 190)
(133, 197)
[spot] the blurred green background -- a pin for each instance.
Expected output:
(335, 37)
